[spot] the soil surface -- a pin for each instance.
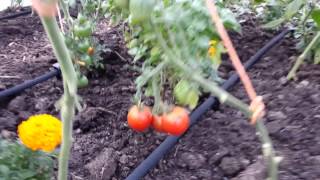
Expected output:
(221, 146)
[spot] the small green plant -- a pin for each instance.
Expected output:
(83, 46)
(15, 4)
(20, 163)
(304, 17)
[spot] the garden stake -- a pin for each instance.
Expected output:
(257, 106)
(69, 99)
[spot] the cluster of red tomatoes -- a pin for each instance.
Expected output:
(174, 123)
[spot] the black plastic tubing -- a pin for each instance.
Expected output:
(25, 12)
(152, 160)
(28, 84)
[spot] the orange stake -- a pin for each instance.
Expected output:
(257, 106)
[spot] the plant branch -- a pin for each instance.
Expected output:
(302, 57)
(69, 100)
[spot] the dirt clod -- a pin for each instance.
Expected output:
(103, 166)
(230, 166)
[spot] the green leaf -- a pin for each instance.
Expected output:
(317, 56)
(316, 16)
(293, 8)
(274, 24)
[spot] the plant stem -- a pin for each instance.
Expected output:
(65, 9)
(69, 99)
(67, 115)
(301, 58)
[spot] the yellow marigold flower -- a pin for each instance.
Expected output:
(212, 52)
(212, 48)
(40, 132)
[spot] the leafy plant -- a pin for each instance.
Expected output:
(20, 163)
(185, 27)
(304, 17)
(15, 4)
(84, 47)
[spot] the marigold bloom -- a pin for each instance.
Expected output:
(212, 52)
(40, 132)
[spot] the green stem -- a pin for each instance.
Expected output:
(69, 99)
(61, 51)
(67, 115)
(157, 95)
(301, 58)
(65, 9)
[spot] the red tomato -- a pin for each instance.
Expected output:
(176, 122)
(139, 119)
(157, 123)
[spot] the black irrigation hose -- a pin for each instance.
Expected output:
(152, 160)
(28, 84)
(25, 12)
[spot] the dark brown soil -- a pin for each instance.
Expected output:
(222, 146)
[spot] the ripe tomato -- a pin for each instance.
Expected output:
(157, 123)
(139, 119)
(176, 122)
(90, 51)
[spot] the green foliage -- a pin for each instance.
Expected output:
(185, 27)
(304, 17)
(20, 163)
(79, 37)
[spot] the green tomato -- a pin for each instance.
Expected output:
(141, 10)
(83, 30)
(123, 4)
(87, 59)
(82, 81)
(81, 18)
(185, 94)
(68, 40)
(83, 46)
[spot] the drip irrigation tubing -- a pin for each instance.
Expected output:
(152, 160)
(11, 16)
(28, 84)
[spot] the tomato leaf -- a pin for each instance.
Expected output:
(316, 16)
(293, 8)
(317, 56)
(274, 24)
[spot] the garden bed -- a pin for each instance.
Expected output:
(222, 145)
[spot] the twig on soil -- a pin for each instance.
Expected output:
(10, 77)
(121, 57)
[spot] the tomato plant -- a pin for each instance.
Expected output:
(304, 17)
(83, 46)
(139, 118)
(185, 27)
